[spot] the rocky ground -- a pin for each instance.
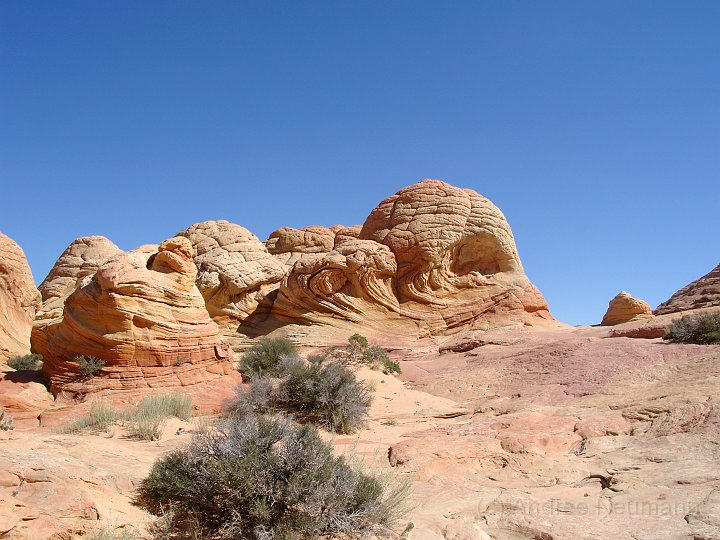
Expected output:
(508, 434)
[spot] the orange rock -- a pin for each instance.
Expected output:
(19, 300)
(82, 258)
(704, 292)
(288, 245)
(143, 315)
(625, 308)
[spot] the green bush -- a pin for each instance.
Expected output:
(374, 356)
(700, 328)
(29, 362)
(262, 478)
(325, 393)
(264, 357)
(88, 366)
(101, 416)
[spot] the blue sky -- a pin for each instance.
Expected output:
(594, 126)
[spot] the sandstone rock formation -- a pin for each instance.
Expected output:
(143, 315)
(288, 245)
(624, 308)
(82, 258)
(19, 300)
(428, 260)
(701, 293)
(235, 271)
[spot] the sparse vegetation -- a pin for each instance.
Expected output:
(6, 421)
(111, 533)
(264, 478)
(28, 362)
(376, 357)
(144, 421)
(89, 366)
(263, 358)
(700, 328)
(319, 391)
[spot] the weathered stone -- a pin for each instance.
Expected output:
(704, 292)
(625, 308)
(19, 300)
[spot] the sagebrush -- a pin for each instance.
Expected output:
(89, 366)
(699, 328)
(263, 358)
(33, 362)
(317, 391)
(262, 478)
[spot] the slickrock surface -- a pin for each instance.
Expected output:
(19, 300)
(288, 245)
(701, 293)
(79, 262)
(428, 261)
(235, 271)
(509, 434)
(625, 308)
(143, 315)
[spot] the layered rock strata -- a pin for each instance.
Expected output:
(704, 292)
(142, 314)
(19, 300)
(625, 308)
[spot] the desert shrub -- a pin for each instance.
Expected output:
(32, 362)
(6, 422)
(322, 392)
(110, 533)
(700, 328)
(376, 357)
(263, 478)
(264, 357)
(88, 366)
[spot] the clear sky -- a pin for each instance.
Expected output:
(593, 125)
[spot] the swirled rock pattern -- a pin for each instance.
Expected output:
(82, 258)
(19, 300)
(235, 271)
(430, 259)
(704, 292)
(625, 308)
(143, 315)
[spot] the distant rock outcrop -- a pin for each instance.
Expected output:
(428, 260)
(142, 314)
(701, 293)
(235, 271)
(73, 269)
(625, 308)
(19, 300)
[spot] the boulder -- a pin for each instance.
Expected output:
(142, 314)
(82, 258)
(625, 308)
(288, 245)
(701, 293)
(19, 300)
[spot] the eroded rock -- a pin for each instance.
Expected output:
(704, 292)
(625, 308)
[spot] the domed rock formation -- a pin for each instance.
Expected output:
(19, 300)
(625, 308)
(82, 258)
(288, 245)
(235, 271)
(143, 315)
(701, 293)
(428, 260)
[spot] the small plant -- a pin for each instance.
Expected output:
(264, 357)
(29, 362)
(6, 422)
(262, 478)
(700, 328)
(376, 357)
(110, 533)
(89, 366)
(101, 416)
